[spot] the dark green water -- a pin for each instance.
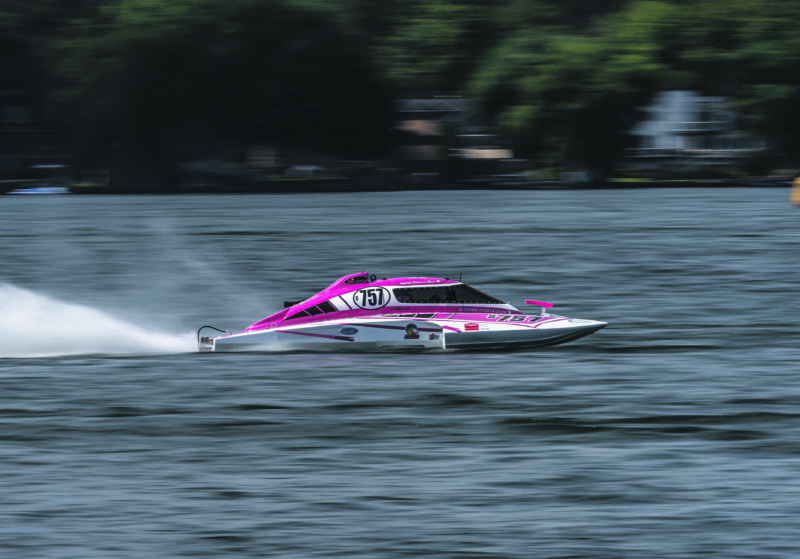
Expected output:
(674, 432)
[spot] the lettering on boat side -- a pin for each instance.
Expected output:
(515, 318)
(370, 298)
(348, 331)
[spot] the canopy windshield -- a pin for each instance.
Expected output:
(456, 293)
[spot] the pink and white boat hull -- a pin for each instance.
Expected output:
(360, 313)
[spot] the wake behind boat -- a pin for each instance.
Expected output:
(361, 313)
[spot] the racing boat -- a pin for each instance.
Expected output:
(360, 312)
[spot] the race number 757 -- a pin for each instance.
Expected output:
(372, 297)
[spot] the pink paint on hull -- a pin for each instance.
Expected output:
(355, 282)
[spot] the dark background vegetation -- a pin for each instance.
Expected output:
(135, 80)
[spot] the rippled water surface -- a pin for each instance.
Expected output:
(674, 432)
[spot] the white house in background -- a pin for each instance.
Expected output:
(685, 132)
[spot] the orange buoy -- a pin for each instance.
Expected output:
(794, 195)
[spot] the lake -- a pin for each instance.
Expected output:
(673, 432)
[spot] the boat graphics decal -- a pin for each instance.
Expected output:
(371, 298)
(315, 335)
(400, 326)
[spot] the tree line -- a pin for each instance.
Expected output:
(562, 79)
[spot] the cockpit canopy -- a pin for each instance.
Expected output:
(363, 292)
(450, 293)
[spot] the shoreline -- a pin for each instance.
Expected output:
(344, 185)
(331, 185)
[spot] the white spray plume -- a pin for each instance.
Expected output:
(34, 325)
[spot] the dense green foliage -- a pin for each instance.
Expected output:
(567, 96)
(149, 75)
(563, 79)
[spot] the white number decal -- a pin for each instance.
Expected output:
(371, 297)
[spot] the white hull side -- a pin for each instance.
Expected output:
(350, 336)
(519, 337)
(366, 335)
